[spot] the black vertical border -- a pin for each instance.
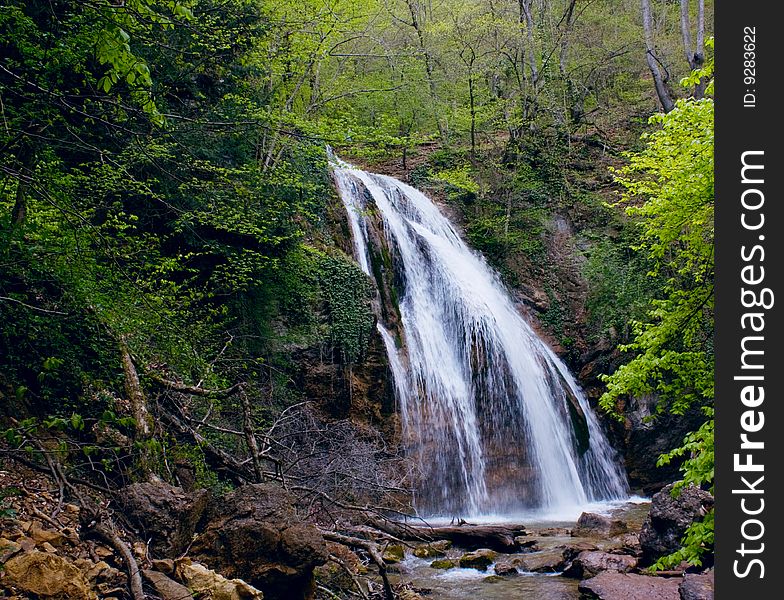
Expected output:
(739, 129)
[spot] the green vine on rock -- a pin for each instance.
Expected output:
(347, 293)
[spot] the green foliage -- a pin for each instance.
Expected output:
(347, 293)
(619, 289)
(672, 179)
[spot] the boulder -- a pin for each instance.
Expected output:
(254, 534)
(626, 586)
(394, 554)
(668, 520)
(593, 525)
(546, 561)
(505, 569)
(165, 587)
(697, 586)
(428, 551)
(209, 585)
(478, 559)
(443, 563)
(165, 514)
(591, 563)
(571, 551)
(46, 576)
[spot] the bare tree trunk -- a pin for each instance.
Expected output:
(660, 82)
(413, 7)
(525, 8)
(695, 56)
(135, 394)
(27, 163)
(250, 435)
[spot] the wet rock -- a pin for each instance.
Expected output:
(165, 587)
(645, 439)
(478, 559)
(547, 561)
(593, 525)
(526, 545)
(443, 563)
(394, 554)
(630, 544)
(572, 550)
(626, 586)
(165, 514)
(428, 551)
(441, 545)
(209, 585)
(46, 576)
(505, 570)
(493, 579)
(668, 520)
(591, 563)
(697, 586)
(254, 534)
(554, 532)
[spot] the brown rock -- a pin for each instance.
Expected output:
(166, 515)
(46, 576)
(254, 534)
(505, 570)
(209, 585)
(478, 559)
(393, 554)
(40, 535)
(625, 586)
(697, 586)
(165, 587)
(27, 544)
(593, 525)
(668, 520)
(165, 566)
(428, 551)
(546, 561)
(590, 563)
(8, 548)
(101, 572)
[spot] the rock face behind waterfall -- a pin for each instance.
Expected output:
(492, 417)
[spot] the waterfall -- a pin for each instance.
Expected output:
(495, 421)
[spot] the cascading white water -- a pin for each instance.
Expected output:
(495, 419)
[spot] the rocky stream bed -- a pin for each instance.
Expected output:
(254, 544)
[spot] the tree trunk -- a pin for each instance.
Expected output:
(250, 435)
(27, 163)
(135, 394)
(695, 56)
(413, 7)
(660, 82)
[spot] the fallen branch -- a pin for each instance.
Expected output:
(373, 552)
(223, 458)
(105, 533)
(193, 390)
